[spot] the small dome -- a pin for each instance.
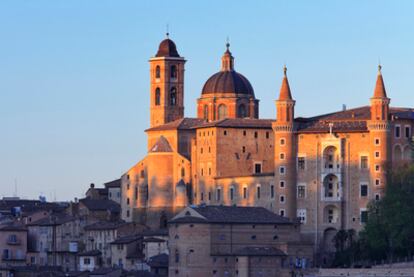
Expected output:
(167, 48)
(228, 82)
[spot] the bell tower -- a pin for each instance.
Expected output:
(285, 151)
(167, 84)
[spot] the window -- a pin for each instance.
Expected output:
(136, 192)
(142, 174)
(282, 170)
(282, 184)
(301, 193)
(242, 111)
(267, 135)
(377, 168)
(282, 141)
(222, 112)
(377, 182)
(157, 97)
(202, 196)
(377, 154)
(364, 162)
(157, 72)
(257, 168)
(127, 201)
(407, 131)
(177, 256)
(301, 163)
(363, 215)
(202, 172)
(258, 192)
(244, 192)
(282, 156)
(201, 150)
(209, 171)
(86, 261)
(231, 193)
(244, 133)
(209, 195)
(253, 237)
(127, 213)
(255, 134)
(363, 190)
(205, 115)
(397, 131)
(182, 172)
(244, 149)
(173, 97)
(282, 199)
(282, 212)
(173, 71)
(377, 141)
(377, 196)
(225, 132)
(218, 194)
(301, 215)
(272, 191)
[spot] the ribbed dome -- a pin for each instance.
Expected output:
(228, 82)
(167, 48)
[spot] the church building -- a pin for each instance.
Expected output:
(322, 170)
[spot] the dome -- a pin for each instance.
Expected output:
(167, 48)
(228, 82)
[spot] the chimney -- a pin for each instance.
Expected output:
(343, 107)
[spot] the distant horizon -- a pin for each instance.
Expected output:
(74, 78)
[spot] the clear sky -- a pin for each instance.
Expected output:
(74, 75)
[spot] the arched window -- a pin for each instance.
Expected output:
(222, 111)
(157, 72)
(242, 111)
(173, 97)
(174, 71)
(157, 96)
(205, 112)
(182, 172)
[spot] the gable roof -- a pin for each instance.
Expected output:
(105, 225)
(113, 184)
(230, 215)
(161, 145)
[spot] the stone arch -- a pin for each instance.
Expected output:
(407, 154)
(331, 186)
(330, 157)
(205, 112)
(157, 96)
(221, 111)
(328, 240)
(173, 96)
(331, 214)
(157, 72)
(242, 111)
(397, 153)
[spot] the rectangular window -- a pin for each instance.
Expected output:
(282, 156)
(282, 184)
(272, 191)
(301, 215)
(282, 141)
(244, 192)
(209, 196)
(377, 168)
(282, 170)
(255, 134)
(257, 168)
(267, 135)
(218, 196)
(301, 163)
(364, 162)
(377, 154)
(407, 131)
(231, 193)
(377, 141)
(397, 131)
(282, 199)
(258, 192)
(202, 196)
(377, 182)
(282, 212)
(301, 193)
(363, 190)
(364, 215)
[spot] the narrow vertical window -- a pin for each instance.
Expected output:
(244, 192)
(272, 191)
(242, 111)
(222, 112)
(231, 193)
(205, 112)
(258, 192)
(157, 72)
(173, 71)
(397, 131)
(157, 96)
(173, 97)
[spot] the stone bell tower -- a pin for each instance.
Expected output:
(167, 84)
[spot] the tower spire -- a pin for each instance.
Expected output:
(285, 93)
(379, 91)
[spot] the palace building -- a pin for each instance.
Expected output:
(322, 170)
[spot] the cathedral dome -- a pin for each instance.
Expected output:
(167, 48)
(228, 82)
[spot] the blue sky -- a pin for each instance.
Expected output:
(74, 75)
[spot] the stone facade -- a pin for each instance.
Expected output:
(323, 169)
